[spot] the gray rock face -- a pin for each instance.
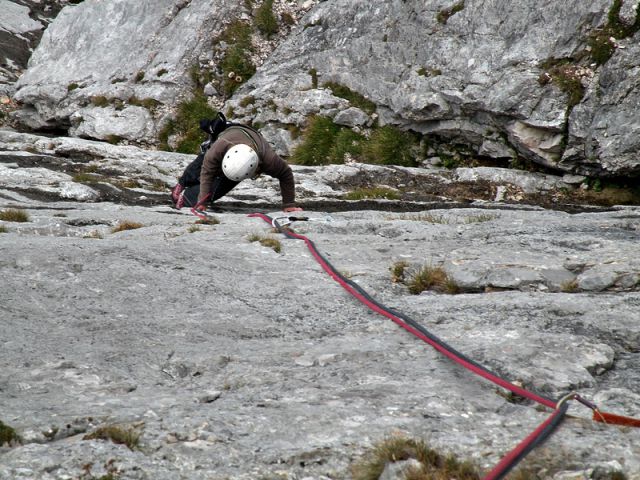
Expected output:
(22, 24)
(478, 74)
(234, 361)
(478, 83)
(17, 32)
(603, 130)
(116, 50)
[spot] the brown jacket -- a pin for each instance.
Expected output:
(270, 162)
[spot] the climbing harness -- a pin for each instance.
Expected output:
(535, 438)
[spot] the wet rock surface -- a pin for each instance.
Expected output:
(234, 361)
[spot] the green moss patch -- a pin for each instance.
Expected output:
(327, 143)
(354, 98)
(236, 64)
(600, 41)
(446, 13)
(187, 124)
(567, 76)
(373, 193)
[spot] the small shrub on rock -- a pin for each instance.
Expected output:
(326, 143)
(319, 140)
(100, 101)
(569, 286)
(390, 146)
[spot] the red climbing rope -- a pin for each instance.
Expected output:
(534, 439)
(439, 345)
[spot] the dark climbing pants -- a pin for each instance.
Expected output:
(190, 180)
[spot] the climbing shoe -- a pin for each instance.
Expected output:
(180, 201)
(176, 192)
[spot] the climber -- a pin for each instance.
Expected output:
(238, 153)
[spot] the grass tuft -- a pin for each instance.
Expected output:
(372, 193)
(208, 221)
(319, 139)
(246, 101)
(126, 225)
(100, 101)
(269, 242)
(117, 434)
(14, 215)
(265, 20)
(113, 139)
(398, 271)
(8, 435)
(570, 286)
(433, 465)
(486, 217)
(148, 103)
(432, 278)
(126, 183)
(421, 217)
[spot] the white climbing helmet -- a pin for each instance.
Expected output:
(240, 162)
